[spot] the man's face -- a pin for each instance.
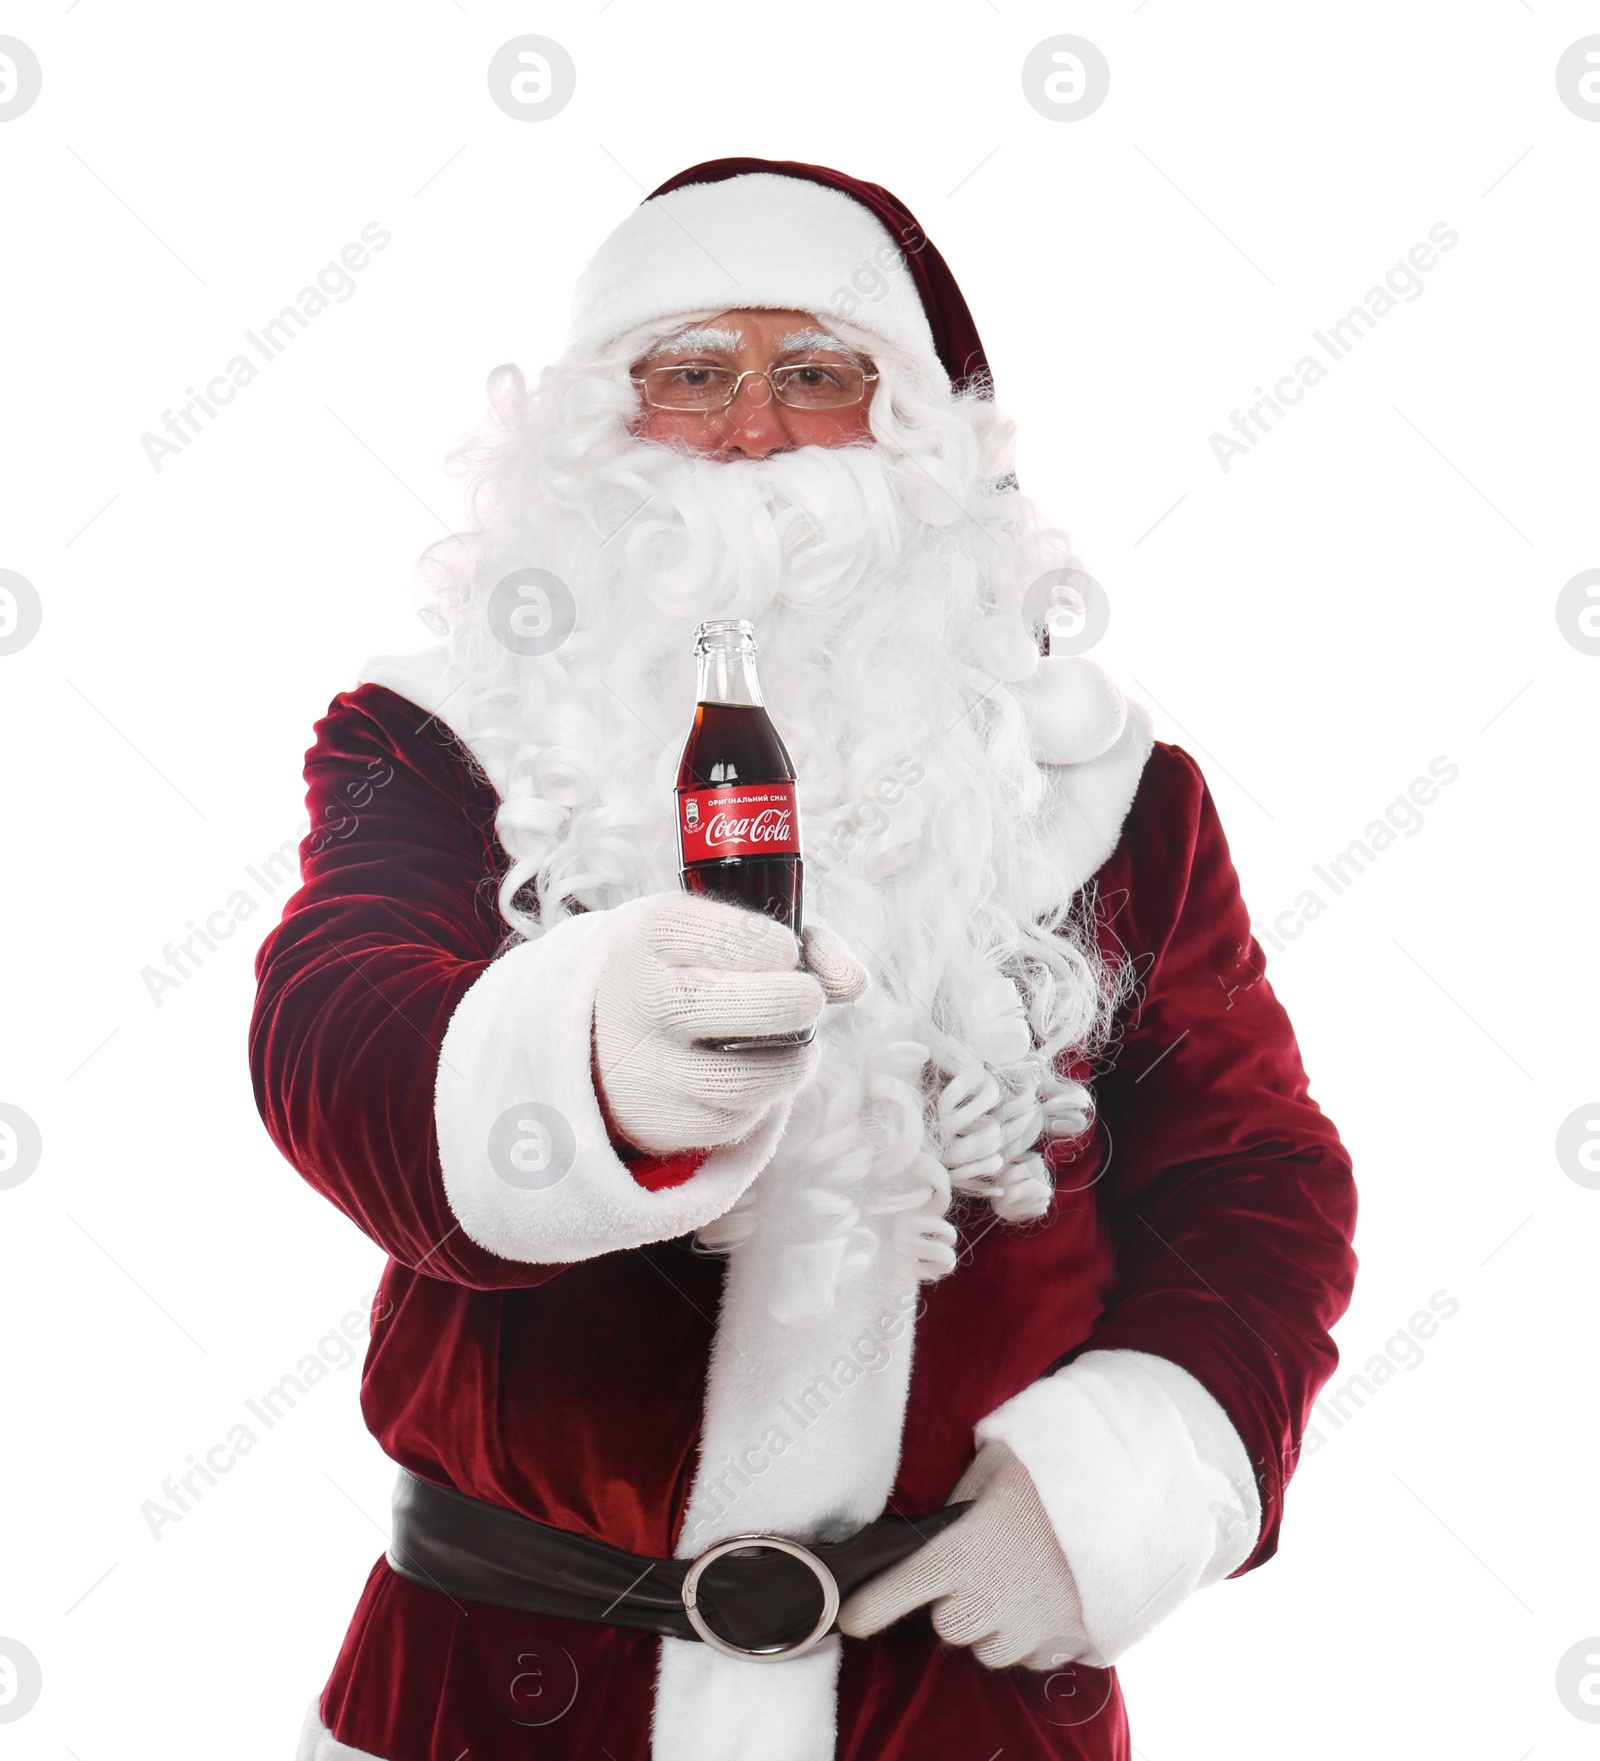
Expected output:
(756, 424)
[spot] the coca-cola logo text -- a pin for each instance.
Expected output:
(771, 826)
(750, 819)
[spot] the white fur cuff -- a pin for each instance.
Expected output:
(528, 1167)
(1146, 1482)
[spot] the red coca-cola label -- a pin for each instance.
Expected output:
(742, 819)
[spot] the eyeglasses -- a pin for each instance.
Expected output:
(805, 385)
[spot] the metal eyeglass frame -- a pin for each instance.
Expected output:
(642, 381)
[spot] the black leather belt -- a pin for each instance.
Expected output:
(758, 1596)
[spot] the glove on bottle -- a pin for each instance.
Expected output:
(695, 969)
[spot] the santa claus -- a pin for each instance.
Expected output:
(861, 1396)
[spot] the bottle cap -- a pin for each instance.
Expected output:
(724, 633)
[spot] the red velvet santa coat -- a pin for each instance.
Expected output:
(1215, 1234)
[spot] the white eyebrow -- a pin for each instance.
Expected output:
(701, 337)
(798, 340)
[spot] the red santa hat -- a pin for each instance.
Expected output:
(778, 233)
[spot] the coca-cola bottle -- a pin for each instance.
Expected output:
(738, 820)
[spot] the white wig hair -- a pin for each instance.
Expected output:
(885, 581)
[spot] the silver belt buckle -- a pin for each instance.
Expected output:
(765, 1653)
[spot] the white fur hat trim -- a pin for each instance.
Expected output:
(759, 240)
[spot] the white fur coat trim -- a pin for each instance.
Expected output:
(1092, 800)
(715, 1708)
(1146, 1483)
(801, 1437)
(318, 1743)
(547, 1186)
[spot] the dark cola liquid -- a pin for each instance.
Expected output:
(737, 743)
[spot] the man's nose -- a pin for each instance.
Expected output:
(754, 428)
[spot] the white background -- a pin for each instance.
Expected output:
(1363, 592)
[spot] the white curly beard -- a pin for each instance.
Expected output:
(884, 582)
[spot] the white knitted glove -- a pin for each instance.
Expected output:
(695, 969)
(997, 1577)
